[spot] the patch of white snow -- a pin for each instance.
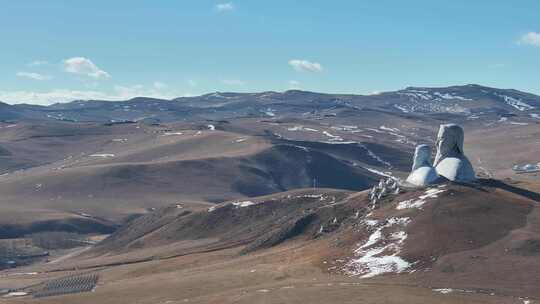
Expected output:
(243, 204)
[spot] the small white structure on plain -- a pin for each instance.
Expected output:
(450, 160)
(422, 172)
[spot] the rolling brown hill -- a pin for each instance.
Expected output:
(127, 169)
(274, 249)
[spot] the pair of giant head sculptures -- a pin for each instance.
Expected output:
(450, 161)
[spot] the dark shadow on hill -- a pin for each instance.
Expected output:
(372, 154)
(519, 191)
(75, 225)
(265, 224)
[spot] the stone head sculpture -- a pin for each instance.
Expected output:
(449, 142)
(422, 172)
(422, 157)
(450, 160)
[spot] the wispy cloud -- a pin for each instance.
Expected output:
(305, 66)
(34, 76)
(37, 63)
(126, 92)
(225, 7)
(530, 38)
(191, 83)
(84, 66)
(49, 97)
(158, 85)
(234, 82)
(294, 85)
(119, 92)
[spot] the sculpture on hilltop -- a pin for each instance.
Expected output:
(450, 161)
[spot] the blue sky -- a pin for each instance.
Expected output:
(63, 50)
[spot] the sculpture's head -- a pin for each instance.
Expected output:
(422, 157)
(449, 142)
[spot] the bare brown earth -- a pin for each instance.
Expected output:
(479, 240)
(59, 170)
(496, 148)
(115, 171)
(291, 246)
(479, 243)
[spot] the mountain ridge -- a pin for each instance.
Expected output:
(464, 100)
(286, 92)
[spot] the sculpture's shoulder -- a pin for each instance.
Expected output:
(423, 176)
(457, 169)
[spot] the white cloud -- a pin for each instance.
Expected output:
(63, 95)
(126, 92)
(37, 63)
(34, 76)
(84, 66)
(306, 66)
(531, 38)
(46, 98)
(233, 82)
(294, 85)
(191, 83)
(225, 7)
(160, 85)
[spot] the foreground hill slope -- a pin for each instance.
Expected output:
(444, 244)
(442, 226)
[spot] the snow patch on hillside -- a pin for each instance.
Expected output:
(443, 290)
(516, 103)
(376, 157)
(451, 96)
(379, 254)
(403, 109)
(301, 128)
(345, 128)
(434, 102)
(388, 129)
(218, 95)
(172, 133)
(270, 112)
(243, 204)
(385, 174)
(239, 140)
(421, 200)
(332, 137)
(104, 155)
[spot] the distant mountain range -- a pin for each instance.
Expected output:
(471, 101)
